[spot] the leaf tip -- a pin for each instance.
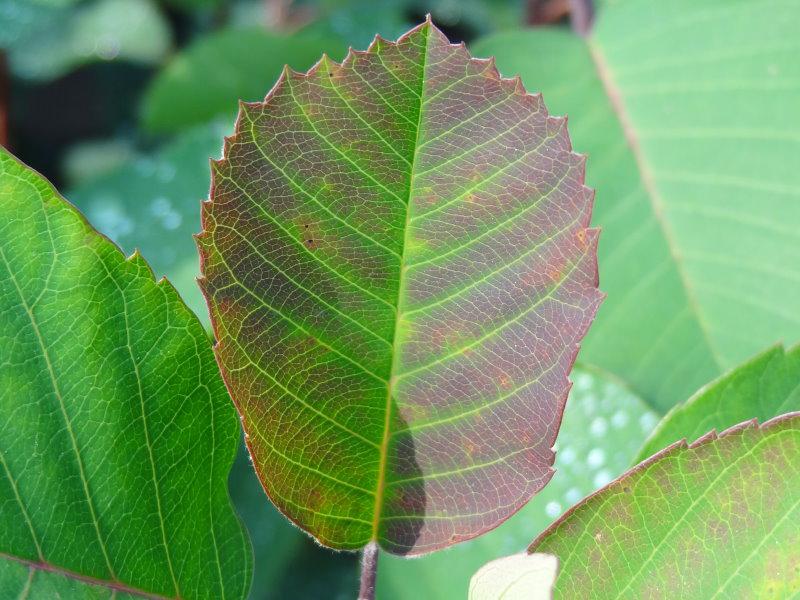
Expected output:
(375, 44)
(136, 259)
(289, 74)
(554, 124)
(519, 88)
(201, 238)
(704, 439)
(749, 424)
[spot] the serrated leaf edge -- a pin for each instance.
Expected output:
(591, 233)
(671, 450)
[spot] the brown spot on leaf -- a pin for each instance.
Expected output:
(580, 235)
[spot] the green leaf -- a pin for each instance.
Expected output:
(688, 111)
(762, 388)
(398, 269)
(194, 5)
(604, 425)
(86, 161)
(213, 74)
(717, 519)
(153, 203)
(358, 21)
(116, 435)
(276, 543)
(517, 577)
(20, 17)
(60, 39)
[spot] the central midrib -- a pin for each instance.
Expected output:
(387, 433)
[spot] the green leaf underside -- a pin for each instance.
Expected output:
(117, 435)
(199, 83)
(717, 519)
(691, 124)
(763, 388)
(399, 271)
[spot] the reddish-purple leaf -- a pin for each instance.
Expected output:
(399, 271)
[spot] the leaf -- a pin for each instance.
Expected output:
(276, 543)
(688, 110)
(153, 203)
(60, 39)
(762, 388)
(717, 519)
(116, 435)
(19, 17)
(207, 79)
(194, 5)
(86, 161)
(359, 20)
(398, 291)
(518, 577)
(604, 425)
(335, 574)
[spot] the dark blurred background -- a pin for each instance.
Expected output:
(120, 103)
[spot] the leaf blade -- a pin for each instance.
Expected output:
(669, 267)
(198, 84)
(718, 501)
(335, 239)
(104, 434)
(603, 427)
(763, 388)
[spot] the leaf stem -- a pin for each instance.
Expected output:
(546, 12)
(369, 572)
(581, 15)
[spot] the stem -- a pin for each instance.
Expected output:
(369, 572)
(546, 12)
(277, 13)
(581, 14)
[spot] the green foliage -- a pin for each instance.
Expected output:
(117, 435)
(398, 270)
(357, 21)
(604, 425)
(717, 519)
(688, 111)
(89, 160)
(153, 203)
(199, 83)
(762, 388)
(194, 5)
(48, 41)
(276, 543)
